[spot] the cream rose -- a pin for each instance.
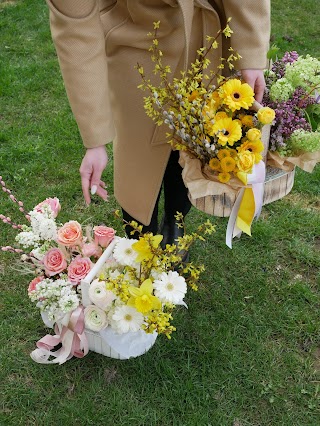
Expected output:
(54, 262)
(103, 235)
(78, 269)
(99, 295)
(70, 234)
(95, 319)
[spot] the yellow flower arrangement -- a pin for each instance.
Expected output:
(208, 114)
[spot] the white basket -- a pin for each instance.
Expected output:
(107, 342)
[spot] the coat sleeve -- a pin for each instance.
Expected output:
(80, 47)
(250, 22)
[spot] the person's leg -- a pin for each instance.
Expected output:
(152, 227)
(175, 200)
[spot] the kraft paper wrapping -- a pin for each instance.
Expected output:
(305, 161)
(201, 182)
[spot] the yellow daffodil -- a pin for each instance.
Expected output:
(228, 164)
(227, 130)
(236, 95)
(142, 298)
(224, 177)
(214, 164)
(145, 245)
(266, 115)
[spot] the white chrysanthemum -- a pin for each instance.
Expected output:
(99, 295)
(95, 319)
(124, 253)
(171, 287)
(126, 319)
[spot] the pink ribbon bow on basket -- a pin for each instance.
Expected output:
(71, 336)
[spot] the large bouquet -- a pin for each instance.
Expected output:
(292, 83)
(212, 123)
(136, 289)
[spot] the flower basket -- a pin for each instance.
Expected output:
(278, 183)
(107, 342)
(218, 199)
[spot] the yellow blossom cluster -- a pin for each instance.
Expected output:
(133, 285)
(208, 114)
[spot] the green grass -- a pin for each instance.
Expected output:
(245, 353)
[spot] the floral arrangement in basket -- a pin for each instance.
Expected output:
(292, 83)
(212, 123)
(136, 288)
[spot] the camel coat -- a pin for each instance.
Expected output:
(97, 56)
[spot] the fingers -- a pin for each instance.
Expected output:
(255, 79)
(92, 166)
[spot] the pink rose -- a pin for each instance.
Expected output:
(54, 262)
(70, 234)
(34, 282)
(91, 249)
(78, 269)
(53, 203)
(103, 235)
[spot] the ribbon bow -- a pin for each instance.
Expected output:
(248, 203)
(71, 336)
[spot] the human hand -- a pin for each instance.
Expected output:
(92, 166)
(255, 79)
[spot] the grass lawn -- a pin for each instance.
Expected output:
(245, 353)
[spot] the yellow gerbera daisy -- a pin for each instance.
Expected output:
(236, 95)
(224, 177)
(214, 164)
(254, 146)
(227, 130)
(228, 164)
(223, 153)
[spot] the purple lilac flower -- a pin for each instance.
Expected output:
(290, 116)
(279, 67)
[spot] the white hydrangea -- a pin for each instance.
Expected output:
(305, 72)
(281, 90)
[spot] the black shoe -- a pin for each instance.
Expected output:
(171, 232)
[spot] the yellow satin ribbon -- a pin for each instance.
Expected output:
(246, 211)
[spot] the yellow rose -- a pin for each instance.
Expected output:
(245, 161)
(219, 115)
(266, 115)
(253, 134)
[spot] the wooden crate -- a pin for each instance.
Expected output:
(278, 183)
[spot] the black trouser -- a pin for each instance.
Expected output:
(175, 196)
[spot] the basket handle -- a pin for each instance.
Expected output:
(85, 283)
(265, 133)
